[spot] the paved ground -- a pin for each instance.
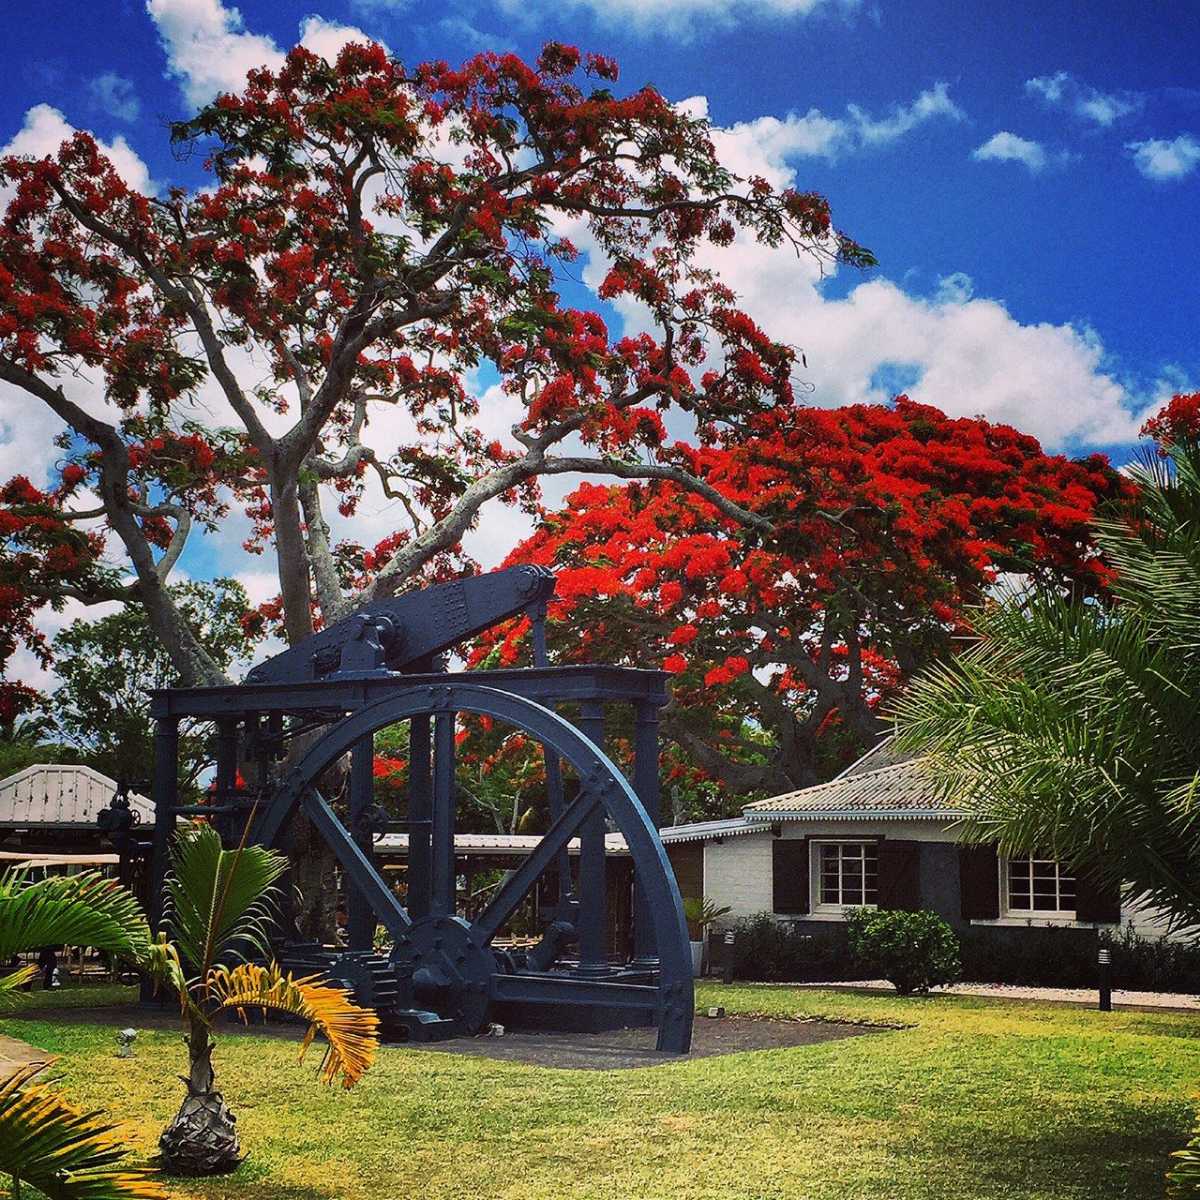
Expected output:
(624, 1048)
(14, 1054)
(1004, 991)
(615, 1050)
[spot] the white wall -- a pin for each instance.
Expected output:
(738, 873)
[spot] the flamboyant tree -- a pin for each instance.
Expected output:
(374, 239)
(875, 527)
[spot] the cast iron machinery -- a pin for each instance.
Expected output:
(301, 712)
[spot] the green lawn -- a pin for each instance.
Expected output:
(974, 1099)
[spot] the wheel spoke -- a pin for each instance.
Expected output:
(358, 867)
(508, 899)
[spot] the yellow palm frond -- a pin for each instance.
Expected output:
(352, 1032)
(11, 985)
(65, 1152)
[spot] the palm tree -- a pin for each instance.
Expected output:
(218, 909)
(1074, 727)
(45, 1140)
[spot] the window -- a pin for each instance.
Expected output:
(847, 874)
(1039, 886)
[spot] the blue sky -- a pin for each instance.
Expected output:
(1067, 223)
(1027, 173)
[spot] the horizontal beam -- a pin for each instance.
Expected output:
(562, 989)
(337, 696)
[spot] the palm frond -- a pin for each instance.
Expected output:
(219, 902)
(76, 910)
(352, 1032)
(65, 1152)
(1073, 727)
(11, 985)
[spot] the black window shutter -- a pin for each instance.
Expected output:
(899, 874)
(790, 875)
(1096, 900)
(979, 882)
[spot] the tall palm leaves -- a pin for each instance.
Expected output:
(64, 1151)
(77, 910)
(1075, 728)
(45, 1141)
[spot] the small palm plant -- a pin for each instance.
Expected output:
(45, 1140)
(217, 913)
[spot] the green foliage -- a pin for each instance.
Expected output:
(218, 902)
(764, 948)
(1074, 728)
(77, 910)
(954, 1098)
(703, 911)
(106, 667)
(1183, 1179)
(912, 950)
(64, 1151)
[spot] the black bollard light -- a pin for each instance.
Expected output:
(1104, 961)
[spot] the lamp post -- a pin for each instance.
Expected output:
(1104, 961)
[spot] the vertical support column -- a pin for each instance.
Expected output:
(166, 799)
(554, 782)
(420, 810)
(360, 916)
(646, 784)
(226, 781)
(443, 876)
(593, 883)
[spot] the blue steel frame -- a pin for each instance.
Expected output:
(602, 787)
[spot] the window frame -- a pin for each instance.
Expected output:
(1058, 913)
(820, 907)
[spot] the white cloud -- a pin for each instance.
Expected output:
(1008, 147)
(45, 129)
(1159, 159)
(209, 50)
(935, 102)
(116, 96)
(767, 144)
(1063, 90)
(672, 18)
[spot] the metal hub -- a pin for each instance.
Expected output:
(444, 970)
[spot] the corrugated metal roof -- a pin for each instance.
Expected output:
(709, 831)
(902, 790)
(883, 754)
(64, 797)
(495, 843)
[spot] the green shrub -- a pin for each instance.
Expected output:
(1183, 1179)
(912, 950)
(766, 948)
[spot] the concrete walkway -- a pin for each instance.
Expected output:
(14, 1054)
(1088, 997)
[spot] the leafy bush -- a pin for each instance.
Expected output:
(912, 950)
(1183, 1179)
(1067, 958)
(766, 948)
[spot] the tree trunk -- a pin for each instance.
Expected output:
(201, 1140)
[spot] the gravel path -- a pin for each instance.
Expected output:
(1004, 991)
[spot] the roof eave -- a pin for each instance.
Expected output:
(766, 817)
